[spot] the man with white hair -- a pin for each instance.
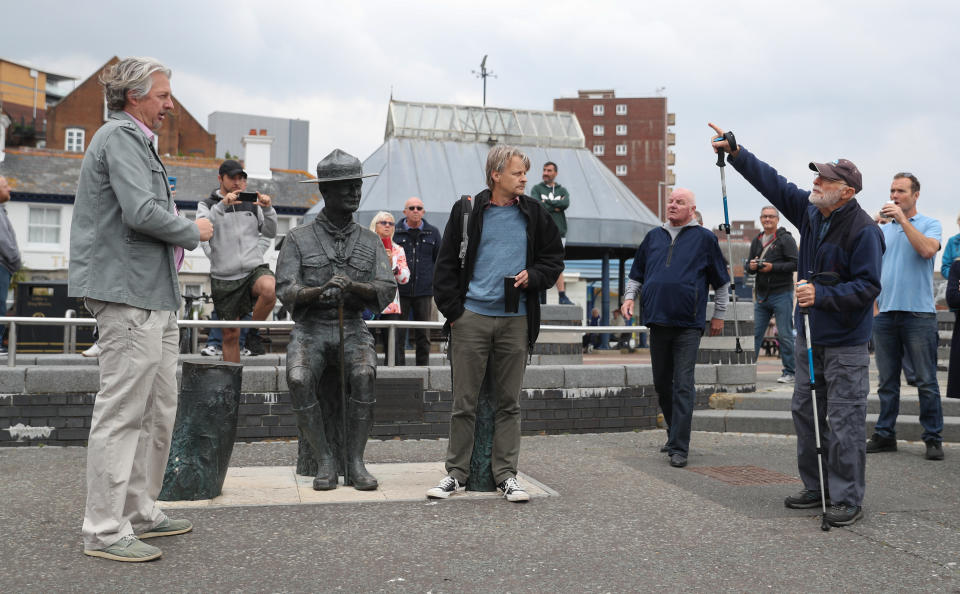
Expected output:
(838, 270)
(126, 245)
(671, 272)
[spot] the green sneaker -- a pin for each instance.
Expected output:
(129, 548)
(168, 527)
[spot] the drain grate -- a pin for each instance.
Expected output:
(745, 475)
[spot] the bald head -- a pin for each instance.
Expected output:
(413, 210)
(680, 207)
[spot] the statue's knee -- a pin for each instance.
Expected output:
(300, 378)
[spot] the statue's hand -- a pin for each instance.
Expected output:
(333, 290)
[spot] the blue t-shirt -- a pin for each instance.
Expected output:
(502, 252)
(906, 279)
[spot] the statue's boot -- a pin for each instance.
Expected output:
(311, 425)
(361, 420)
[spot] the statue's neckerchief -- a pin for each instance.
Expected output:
(343, 240)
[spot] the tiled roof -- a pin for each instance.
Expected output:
(52, 172)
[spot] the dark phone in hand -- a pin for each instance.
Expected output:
(247, 196)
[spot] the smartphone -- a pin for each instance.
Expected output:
(247, 196)
(172, 182)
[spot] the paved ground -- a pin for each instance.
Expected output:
(622, 520)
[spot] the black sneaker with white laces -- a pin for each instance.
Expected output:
(513, 492)
(447, 487)
(843, 514)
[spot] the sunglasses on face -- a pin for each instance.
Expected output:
(414, 208)
(387, 223)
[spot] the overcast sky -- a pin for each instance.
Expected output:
(872, 82)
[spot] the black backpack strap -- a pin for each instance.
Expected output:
(465, 208)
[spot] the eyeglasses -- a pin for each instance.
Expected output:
(414, 208)
(387, 223)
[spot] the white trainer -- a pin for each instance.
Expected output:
(94, 351)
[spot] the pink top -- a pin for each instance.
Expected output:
(178, 253)
(401, 272)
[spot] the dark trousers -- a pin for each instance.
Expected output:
(483, 344)
(842, 380)
(420, 306)
(673, 356)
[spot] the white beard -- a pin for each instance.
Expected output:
(826, 199)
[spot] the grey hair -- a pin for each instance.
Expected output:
(380, 216)
(773, 208)
(129, 75)
(499, 156)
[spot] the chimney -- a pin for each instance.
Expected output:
(256, 159)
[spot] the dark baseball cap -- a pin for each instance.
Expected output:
(232, 168)
(841, 169)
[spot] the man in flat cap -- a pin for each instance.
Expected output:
(838, 269)
(328, 272)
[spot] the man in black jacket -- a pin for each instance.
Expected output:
(420, 241)
(509, 236)
(773, 259)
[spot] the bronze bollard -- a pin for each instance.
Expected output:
(205, 431)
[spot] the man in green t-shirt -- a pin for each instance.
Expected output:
(555, 198)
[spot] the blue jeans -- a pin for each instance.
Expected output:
(215, 335)
(673, 356)
(896, 333)
(4, 287)
(779, 305)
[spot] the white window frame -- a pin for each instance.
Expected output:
(621, 150)
(598, 109)
(44, 226)
(621, 129)
(599, 150)
(621, 109)
(73, 139)
(621, 170)
(598, 130)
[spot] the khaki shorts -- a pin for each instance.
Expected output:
(233, 299)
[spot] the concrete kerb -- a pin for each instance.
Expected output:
(54, 379)
(594, 376)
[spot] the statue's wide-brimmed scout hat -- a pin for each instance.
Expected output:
(338, 166)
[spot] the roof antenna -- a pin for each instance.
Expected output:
(484, 74)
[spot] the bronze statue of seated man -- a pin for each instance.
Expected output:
(328, 272)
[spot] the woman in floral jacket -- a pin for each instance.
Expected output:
(383, 225)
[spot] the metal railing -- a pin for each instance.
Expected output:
(70, 324)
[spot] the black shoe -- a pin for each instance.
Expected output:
(843, 514)
(879, 443)
(255, 344)
(804, 499)
(934, 450)
(678, 460)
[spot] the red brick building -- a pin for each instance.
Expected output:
(72, 123)
(631, 136)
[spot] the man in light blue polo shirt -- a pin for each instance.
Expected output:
(907, 322)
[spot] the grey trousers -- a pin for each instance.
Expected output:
(843, 383)
(502, 341)
(132, 422)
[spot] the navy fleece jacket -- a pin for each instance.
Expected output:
(842, 314)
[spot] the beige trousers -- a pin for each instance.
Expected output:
(132, 421)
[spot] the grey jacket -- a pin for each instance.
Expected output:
(124, 226)
(9, 252)
(235, 248)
